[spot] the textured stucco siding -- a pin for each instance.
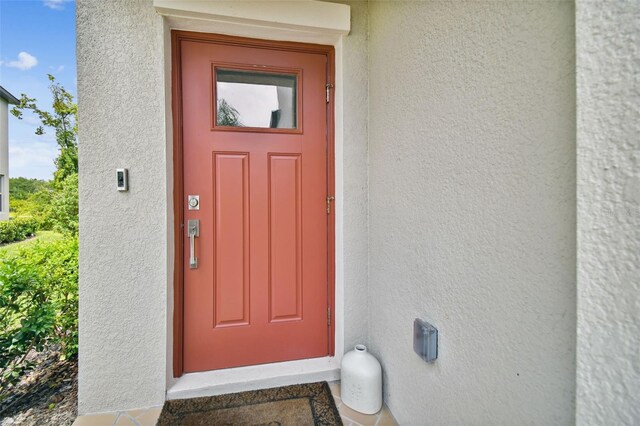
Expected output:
(123, 236)
(355, 183)
(459, 182)
(4, 158)
(472, 208)
(608, 146)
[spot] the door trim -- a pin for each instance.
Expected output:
(178, 193)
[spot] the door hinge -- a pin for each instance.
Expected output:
(328, 316)
(329, 200)
(328, 87)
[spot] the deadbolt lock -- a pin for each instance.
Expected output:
(194, 202)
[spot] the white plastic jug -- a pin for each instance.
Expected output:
(361, 381)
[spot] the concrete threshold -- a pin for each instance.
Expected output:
(240, 379)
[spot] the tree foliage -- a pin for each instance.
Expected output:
(54, 206)
(31, 199)
(63, 119)
(37, 206)
(228, 115)
(63, 212)
(22, 188)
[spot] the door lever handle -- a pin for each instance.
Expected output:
(193, 230)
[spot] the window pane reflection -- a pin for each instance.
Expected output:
(256, 99)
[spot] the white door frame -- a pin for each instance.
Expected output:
(304, 21)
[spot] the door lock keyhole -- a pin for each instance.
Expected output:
(194, 202)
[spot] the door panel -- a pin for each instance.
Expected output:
(231, 239)
(260, 293)
(285, 237)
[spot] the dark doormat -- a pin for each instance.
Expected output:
(297, 405)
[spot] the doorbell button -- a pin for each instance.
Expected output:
(122, 179)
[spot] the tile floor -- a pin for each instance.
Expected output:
(142, 417)
(353, 418)
(149, 416)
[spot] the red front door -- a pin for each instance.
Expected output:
(254, 150)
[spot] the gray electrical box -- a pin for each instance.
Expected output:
(425, 340)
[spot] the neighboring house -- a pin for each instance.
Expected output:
(6, 98)
(472, 164)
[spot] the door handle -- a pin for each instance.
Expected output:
(193, 230)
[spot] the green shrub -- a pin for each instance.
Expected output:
(36, 206)
(38, 304)
(64, 206)
(17, 229)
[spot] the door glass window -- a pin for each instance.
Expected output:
(256, 99)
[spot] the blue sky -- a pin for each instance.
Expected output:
(37, 37)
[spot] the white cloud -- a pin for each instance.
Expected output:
(25, 61)
(59, 68)
(32, 159)
(55, 4)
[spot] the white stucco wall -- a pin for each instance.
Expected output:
(459, 207)
(355, 176)
(4, 158)
(123, 236)
(608, 147)
(472, 208)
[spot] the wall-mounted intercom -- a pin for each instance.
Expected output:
(122, 178)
